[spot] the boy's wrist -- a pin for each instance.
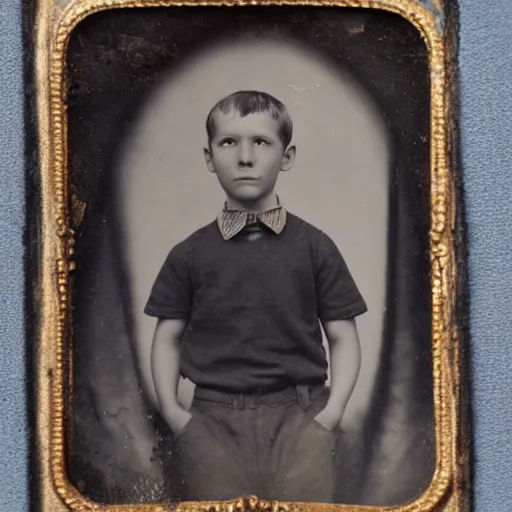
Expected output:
(330, 416)
(335, 407)
(170, 408)
(176, 416)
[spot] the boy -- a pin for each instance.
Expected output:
(240, 304)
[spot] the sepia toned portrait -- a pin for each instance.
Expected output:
(251, 272)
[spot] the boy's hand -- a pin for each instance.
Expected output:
(329, 417)
(177, 418)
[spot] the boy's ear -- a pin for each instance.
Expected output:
(288, 158)
(209, 160)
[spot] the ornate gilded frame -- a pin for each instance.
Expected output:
(55, 20)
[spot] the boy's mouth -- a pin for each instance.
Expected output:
(246, 178)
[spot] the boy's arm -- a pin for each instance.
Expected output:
(345, 362)
(165, 365)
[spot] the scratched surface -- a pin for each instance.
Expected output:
(486, 35)
(115, 61)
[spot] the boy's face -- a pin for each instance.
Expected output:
(247, 154)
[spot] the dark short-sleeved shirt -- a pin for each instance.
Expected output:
(253, 307)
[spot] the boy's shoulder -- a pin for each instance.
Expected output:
(190, 241)
(320, 244)
(314, 233)
(201, 232)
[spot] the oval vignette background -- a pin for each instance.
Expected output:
(339, 181)
(141, 85)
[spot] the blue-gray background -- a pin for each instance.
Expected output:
(485, 72)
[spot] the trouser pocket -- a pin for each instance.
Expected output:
(190, 426)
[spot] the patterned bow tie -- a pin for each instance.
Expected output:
(231, 222)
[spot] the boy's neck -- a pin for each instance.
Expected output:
(271, 201)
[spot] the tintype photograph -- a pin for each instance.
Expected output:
(251, 288)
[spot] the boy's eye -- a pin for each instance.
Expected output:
(262, 142)
(227, 142)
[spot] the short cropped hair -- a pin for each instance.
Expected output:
(252, 102)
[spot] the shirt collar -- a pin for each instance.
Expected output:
(231, 222)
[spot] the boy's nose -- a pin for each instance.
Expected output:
(246, 155)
